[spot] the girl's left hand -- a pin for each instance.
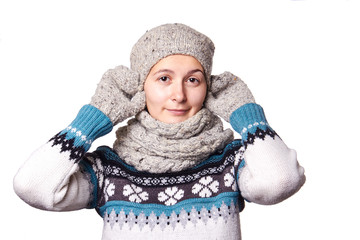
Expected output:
(226, 94)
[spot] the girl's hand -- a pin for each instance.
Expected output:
(226, 94)
(119, 94)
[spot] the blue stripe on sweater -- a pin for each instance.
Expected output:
(247, 119)
(158, 209)
(89, 124)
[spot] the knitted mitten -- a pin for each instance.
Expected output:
(226, 94)
(119, 94)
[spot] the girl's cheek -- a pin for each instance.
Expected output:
(158, 95)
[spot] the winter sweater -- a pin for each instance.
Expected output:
(202, 202)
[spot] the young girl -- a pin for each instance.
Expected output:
(173, 171)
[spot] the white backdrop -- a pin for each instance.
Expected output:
(301, 59)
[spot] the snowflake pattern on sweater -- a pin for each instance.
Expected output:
(127, 198)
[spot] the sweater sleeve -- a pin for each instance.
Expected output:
(54, 178)
(271, 172)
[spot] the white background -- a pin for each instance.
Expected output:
(301, 59)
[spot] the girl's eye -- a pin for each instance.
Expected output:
(193, 80)
(164, 79)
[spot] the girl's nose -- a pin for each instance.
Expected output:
(178, 92)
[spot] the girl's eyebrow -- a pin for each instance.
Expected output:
(163, 71)
(172, 72)
(196, 70)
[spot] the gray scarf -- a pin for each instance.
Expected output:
(157, 147)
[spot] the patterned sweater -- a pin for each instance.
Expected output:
(202, 202)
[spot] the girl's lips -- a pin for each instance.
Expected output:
(178, 112)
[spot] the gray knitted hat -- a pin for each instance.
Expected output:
(170, 39)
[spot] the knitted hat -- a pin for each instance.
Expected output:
(170, 39)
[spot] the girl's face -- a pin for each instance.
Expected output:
(175, 89)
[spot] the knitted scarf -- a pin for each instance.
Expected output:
(157, 147)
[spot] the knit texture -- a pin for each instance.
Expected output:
(89, 124)
(248, 119)
(154, 146)
(203, 201)
(117, 94)
(227, 93)
(170, 39)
